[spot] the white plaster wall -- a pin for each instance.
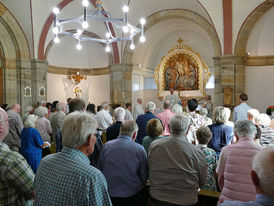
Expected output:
(215, 11)
(137, 88)
(260, 41)
(240, 11)
(94, 90)
(65, 54)
(259, 87)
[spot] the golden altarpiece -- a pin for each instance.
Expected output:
(183, 70)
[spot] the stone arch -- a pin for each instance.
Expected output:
(177, 14)
(247, 26)
(15, 33)
(14, 49)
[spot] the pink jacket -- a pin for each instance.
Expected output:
(234, 169)
(165, 116)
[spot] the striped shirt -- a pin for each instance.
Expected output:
(16, 177)
(67, 178)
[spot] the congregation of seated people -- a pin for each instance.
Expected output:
(123, 155)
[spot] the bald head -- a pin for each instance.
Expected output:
(4, 124)
(16, 108)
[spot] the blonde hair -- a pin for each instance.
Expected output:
(154, 128)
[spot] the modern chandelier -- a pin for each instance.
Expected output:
(129, 30)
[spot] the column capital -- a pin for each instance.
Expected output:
(229, 60)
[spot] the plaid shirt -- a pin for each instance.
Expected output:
(16, 177)
(67, 178)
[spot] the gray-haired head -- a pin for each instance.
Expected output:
(219, 115)
(41, 111)
(252, 113)
(128, 128)
(263, 120)
(61, 106)
(177, 109)
(29, 108)
(203, 112)
(30, 121)
(263, 165)
(105, 106)
(245, 128)
(119, 114)
(76, 129)
(150, 107)
(167, 104)
(179, 124)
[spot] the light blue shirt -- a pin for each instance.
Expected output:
(124, 164)
(240, 112)
(67, 178)
(261, 200)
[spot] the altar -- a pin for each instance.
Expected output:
(183, 70)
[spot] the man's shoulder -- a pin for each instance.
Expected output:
(82, 169)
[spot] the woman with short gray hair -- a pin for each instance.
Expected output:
(31, 143)
(44, 127)
(222, 134)
(263, 121)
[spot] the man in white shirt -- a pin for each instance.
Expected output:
(128, 115)
(138, 110)
(240, 112)
(103, 117)
(173, 98)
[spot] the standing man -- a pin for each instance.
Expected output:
(103, 117)
(176, 168)
(143, 119)
(57, 122)
(67, 178)
(124, 164)
(15, 128)
(138, 110)
(16, 178)
(240, 112)
(173, 98)
(165, 116)
(209, 106)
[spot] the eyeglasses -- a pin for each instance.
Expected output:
(5, 120)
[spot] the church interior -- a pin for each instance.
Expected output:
(233, 38)
(116, 52)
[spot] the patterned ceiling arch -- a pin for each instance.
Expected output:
(177, 14)
(87, 33)
(247, 26)
(43, 36)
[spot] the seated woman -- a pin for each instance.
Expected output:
(222, 133)
(31, 143)
(203, 135)
(154, 130)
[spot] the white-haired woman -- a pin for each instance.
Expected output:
(44, 127)
(31, 143)
(177, 109)
(222, 134)
(263, 121)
